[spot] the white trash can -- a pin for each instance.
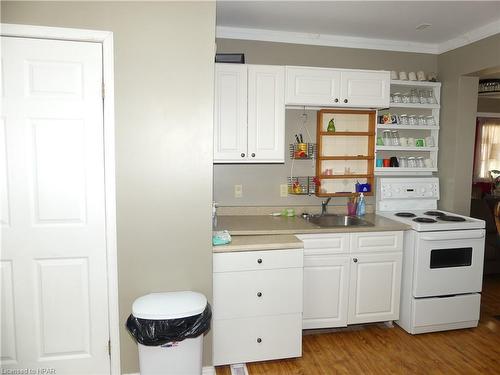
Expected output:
(160, 312)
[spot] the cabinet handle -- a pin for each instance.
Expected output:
(345, 100)
(355, 260)
(259, 294)
(253, 154)
(259, 261)
(242, 154)
(336, 100)
(259, 340)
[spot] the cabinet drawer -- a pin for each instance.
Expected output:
(325, 243)
(255, 293)
(236, 340)
(257, 260)
(376, 241)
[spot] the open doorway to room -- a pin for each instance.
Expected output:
(485, 199)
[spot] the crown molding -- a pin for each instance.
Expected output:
(472, 36)
(323, 40)
(330, 40)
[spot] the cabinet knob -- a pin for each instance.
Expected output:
(345, 100)
(259, 340)
(253, 154)
(259, 261)
(259, 294)
(336, 100)
(242, 154)
(355, 260)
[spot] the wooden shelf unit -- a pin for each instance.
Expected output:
(366, 147)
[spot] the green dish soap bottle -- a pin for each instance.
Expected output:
(331, 126)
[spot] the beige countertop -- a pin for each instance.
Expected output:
(252, 243)
(266, 232)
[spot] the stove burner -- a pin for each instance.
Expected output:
(450, 218)
(424, 220)
(405, 214)
(434, 213)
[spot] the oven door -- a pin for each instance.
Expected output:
(448, 262)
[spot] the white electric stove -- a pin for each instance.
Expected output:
(442, 258)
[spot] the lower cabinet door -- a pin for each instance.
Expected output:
(374, 289)
(257, 339)
(326, 281)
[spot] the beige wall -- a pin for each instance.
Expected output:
(164, 99)
(488, 105)
(261, 182)
(459, 104)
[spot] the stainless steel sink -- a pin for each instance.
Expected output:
(329, 221)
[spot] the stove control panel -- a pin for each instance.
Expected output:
(409, 189)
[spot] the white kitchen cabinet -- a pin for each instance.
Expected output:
(326, 285)
(374, 288)
(230, 112)
(257, 305)
(249, 114)
(365, 89)
(358, 282)
(323, 87)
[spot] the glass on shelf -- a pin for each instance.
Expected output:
(386, 136)
(406, 98)
(412, 120)
(431, 99)
(423, 96)
(430, 121)
(420, 162)
(414, 96)
(412, 162)
(395, 138)
(403, 162)
(396, 97)
(404, 119)
(422, 120)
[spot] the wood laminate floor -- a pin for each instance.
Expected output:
(375, 349)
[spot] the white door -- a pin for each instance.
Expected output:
(266, 113)
(448, 262)
(54, 294)
(230, 113)
(326, 282)
(374, 287)
(365, 89)
(312, 86)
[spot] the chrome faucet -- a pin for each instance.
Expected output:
(323, 206)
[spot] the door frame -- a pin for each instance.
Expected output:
(105, 38)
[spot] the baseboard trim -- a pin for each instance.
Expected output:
(207, 370)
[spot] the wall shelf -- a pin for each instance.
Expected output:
(415, 106)
(400, 148)
(336, 172)
(406, 127)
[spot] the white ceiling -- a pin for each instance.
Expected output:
(387, 25)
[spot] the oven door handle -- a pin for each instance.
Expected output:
(456, 236)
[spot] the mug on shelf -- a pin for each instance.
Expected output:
(421, 75)
(419, 142)
(380, 163)
(412, 76)
(403, 76)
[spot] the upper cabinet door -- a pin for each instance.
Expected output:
(266, 113)
(312, 86)
(365, 89)
(230, 113)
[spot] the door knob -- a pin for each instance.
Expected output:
(259, 261)
(355, 260)
(336, 100)
(259, 340)
(345, 100)
(253, 154)
(242, 154)
(259, 294)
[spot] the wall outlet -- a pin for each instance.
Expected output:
(283, 190)
(238, 191)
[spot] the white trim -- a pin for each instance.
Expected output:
(323, 40)
(106, 39)
(488, 114)
(470, 37)
(331, 40)
(207, 370)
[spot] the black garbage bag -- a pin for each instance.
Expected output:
(158, 332)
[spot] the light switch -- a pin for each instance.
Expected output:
(238, 191)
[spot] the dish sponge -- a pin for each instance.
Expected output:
(221, 237)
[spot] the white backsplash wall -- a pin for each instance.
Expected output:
(261, 182)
